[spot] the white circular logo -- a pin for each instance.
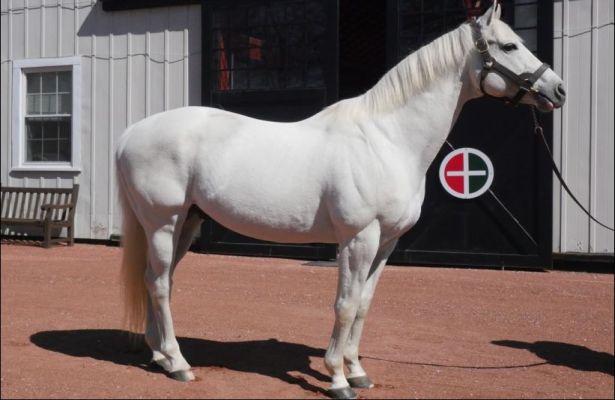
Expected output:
(466, 173)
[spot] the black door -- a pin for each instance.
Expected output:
(510, 225)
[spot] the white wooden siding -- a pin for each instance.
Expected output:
(134, 64)
(583, 129)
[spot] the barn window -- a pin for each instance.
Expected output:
(48, 116)
(267, 45)
(45, 126)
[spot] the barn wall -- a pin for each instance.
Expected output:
(583, 129)
(134, 64)
(139, 62)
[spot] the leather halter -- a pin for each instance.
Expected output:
(525, 81)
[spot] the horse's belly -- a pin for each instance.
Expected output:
(266, 185)
(275, 226)
(279, 210)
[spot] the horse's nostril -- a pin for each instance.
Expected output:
(560, 91)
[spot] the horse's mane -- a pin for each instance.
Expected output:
(413, 74)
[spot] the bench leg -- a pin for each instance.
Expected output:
(47, 236)
(71, 235)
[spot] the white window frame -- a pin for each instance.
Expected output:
(18, 137)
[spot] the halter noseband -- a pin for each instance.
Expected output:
(525, 80)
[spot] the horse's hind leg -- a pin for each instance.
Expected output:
(161, 256)
(355, 259)
(356, 374)
(188, 230)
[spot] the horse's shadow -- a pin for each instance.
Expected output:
(568, 355)
(271, 357)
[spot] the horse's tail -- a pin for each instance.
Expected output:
(134, 261)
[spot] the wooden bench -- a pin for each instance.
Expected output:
(48, 208)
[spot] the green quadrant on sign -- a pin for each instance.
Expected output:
(475, 163)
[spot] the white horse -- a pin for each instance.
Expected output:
(353, 174)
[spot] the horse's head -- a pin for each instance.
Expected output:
(501, 66)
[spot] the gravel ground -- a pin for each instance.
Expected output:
(257, 328)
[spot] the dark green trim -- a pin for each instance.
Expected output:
(602, 263)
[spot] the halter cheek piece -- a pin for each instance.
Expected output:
(525, 80)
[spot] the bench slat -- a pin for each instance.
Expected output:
(25, 205)
(3, 210)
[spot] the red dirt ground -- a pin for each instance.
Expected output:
(257, 328)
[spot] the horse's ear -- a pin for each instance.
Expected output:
(497, 10)
(494, 12)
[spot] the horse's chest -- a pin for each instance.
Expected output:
(402, 208)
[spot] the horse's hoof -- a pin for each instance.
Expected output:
(182, 376)
(360, 382)
(342, 393)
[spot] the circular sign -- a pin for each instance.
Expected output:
(466, 173)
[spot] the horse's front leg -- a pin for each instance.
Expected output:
(355, 258)
(357, 377)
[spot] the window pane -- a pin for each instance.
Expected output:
(65, 103)
(65, 81)
(34, 82)
(65, 150)
(50, 130)
(33, 104)
(48, 104)
(64, 128)
(49, 82)
(34, 129)
(50, 150)
(238, 79)
(526, 16)
(34, 150)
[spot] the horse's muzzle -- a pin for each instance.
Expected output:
(560, 93)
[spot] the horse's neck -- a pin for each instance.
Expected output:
(416, 103)
(419, 125)
(425, 120)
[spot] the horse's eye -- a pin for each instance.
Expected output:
(508, 47)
